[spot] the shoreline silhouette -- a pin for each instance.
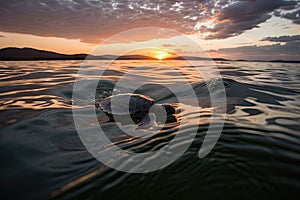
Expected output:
(31, 54)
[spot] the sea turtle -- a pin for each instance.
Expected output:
(135, 106)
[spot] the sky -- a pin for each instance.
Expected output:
(233, 29)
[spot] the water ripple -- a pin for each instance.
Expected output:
(258, 149)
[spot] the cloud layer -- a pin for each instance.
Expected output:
(233, 17)
(93, 20)
(285, 48)
(285, 38)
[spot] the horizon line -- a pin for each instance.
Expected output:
(120, 57)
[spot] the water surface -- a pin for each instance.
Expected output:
(256, 157)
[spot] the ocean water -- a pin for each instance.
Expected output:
(256, 157)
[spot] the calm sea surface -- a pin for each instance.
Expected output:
(256, 157)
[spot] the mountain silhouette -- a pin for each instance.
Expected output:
(15, 54)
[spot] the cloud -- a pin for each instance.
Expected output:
(294, 16)
(168, 45)
(289, 50)
(94, 20)
(285, 38)
(233, 17)
(242, 43)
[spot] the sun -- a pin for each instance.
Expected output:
(160, 55)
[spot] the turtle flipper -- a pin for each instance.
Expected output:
(170, 110)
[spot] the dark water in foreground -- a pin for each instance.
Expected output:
(257, 155)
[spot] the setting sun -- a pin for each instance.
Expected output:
(160, 55)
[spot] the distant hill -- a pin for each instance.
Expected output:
(195, 58)
(13, 53)
(285, 61)
(135, 57)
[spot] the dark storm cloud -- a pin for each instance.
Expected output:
(294, 16)
(285, 38)
(94, 20)
(235, 26)
(233, 17)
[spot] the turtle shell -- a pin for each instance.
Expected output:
(123, 104)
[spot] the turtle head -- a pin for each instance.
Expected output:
(163, 112)
(162, 109)
(170, 110)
